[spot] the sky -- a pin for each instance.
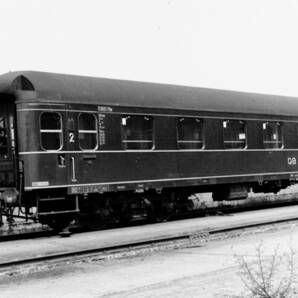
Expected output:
(246, 45)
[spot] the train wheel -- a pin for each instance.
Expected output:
(58, 226)
(162, 217)
(57, 223)
(163, 211)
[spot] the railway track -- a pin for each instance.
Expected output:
(132, 244)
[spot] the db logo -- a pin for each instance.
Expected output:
(291, 161)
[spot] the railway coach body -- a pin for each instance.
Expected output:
(67, 139)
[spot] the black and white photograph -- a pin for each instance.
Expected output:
(149, 148)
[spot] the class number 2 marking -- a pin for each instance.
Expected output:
(71, 137)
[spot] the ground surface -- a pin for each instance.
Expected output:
(23, 249)
(208, 271)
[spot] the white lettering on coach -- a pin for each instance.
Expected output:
(40, 183)
(291, 161)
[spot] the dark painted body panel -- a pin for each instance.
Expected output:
(113, 168)
(133, 167)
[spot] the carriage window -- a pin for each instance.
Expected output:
(51, 131)
(272, 135)
(137, 132)
(87, 131)
(3, 138)
(190, 133)
(234, 134)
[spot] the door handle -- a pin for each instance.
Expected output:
(73, 170)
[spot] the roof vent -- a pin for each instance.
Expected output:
(22, 83)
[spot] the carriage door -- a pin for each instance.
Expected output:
(72, 146)
(7, 143)
(82, 134)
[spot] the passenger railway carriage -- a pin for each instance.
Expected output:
(71, 144)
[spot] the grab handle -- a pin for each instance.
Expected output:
(73, 168)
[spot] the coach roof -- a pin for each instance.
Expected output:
(52, 87)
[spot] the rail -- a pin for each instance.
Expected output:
(186, 237)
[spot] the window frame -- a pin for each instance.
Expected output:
(245, 132)
(51, 131)
(88, 131)
(136, 141)
(202, 121)
(282, 145)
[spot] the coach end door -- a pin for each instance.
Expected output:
(7, 143)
